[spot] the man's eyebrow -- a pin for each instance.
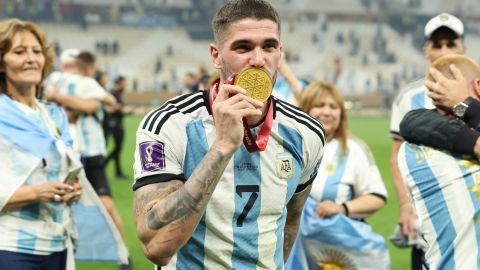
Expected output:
(248, 42)
(240, 42)
(272, 41)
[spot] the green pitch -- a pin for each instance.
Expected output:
(373, 130)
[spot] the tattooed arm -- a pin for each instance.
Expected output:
(294, 211)
(167, 213)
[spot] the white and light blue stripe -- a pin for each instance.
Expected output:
(442, 188)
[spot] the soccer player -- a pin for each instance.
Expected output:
(84, 96)
(444, 35)
(459, 131)
(202, 199)
(444, 188)
(77, 91)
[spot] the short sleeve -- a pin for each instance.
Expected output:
(314, 152)
(399, 109)
(367, 176)
(412, 96)
(89, 88)
(159, 157)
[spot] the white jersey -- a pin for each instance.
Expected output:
(322, 240)
(87, 132)
(413, 96)
(341, 180)
(39, 228)
(445, 192)
(243, 224)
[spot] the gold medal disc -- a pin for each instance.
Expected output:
(256, 82)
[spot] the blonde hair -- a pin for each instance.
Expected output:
(8, 29)
(313, 94)
(469, 69)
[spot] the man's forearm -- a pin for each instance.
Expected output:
(294, 212)
(289, 235)
(83, 105)
(167, 222)
(428, 127)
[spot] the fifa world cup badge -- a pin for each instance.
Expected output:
(152, 155)
(285, 165)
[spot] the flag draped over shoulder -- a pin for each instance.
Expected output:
(336, 242)
(23, 144)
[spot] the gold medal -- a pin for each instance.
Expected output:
(257, 83)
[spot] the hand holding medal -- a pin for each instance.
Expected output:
(258, 86)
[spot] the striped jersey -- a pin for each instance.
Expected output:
(243, 224)
(343, 179)
(87, 131)
(321, 241)
(445, 192)
(413, 96)
(38, 228)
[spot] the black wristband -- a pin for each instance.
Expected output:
(346, 209)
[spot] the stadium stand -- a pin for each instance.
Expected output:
(367, 47)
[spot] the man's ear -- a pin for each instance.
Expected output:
(476, 88)
(215, 53)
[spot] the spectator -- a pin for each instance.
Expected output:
(35, 214)
(347, 189)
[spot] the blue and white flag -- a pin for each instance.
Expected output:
(336, 242)
(26, 144)
(98, 238)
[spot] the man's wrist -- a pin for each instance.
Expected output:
(461, 108)
(406, 206)
(223, 149)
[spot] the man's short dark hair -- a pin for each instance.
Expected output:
(119, 79)
(443, 32)
(85, 59)
(236, 10)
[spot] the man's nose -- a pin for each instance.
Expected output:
(446, 50)
(258, 58)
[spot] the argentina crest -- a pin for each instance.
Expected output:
(285, 165)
